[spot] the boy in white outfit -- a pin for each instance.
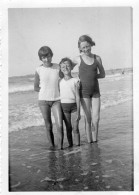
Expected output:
(70, 101)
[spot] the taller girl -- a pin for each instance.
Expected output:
(90, 70)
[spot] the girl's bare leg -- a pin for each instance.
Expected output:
(46, 113)
(87, 105)
(57, 112)
(95, 117)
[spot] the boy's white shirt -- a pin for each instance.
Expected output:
(68, 90)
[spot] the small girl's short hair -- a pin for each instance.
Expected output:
(66, 59)
(44, 51)
(85, 38)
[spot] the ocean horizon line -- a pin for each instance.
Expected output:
(108, 72)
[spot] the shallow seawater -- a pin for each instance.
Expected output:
(103, 166)
(83, 169)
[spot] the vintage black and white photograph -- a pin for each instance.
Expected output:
(70, 99)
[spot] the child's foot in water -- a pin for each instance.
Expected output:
(70, 146)
(94, 141)
(52, 148)
(59, 148)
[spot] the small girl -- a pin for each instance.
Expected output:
(70, 101)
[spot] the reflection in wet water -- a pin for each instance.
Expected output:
(75, 169)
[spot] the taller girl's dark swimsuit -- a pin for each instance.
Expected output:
(88, 77)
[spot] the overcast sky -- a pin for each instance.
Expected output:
(59, 28)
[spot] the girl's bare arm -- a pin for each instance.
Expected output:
(78, 101)
(76, 63)
(37, 82)
(101, 68)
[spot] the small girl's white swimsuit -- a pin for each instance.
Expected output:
(68, 90)
(49, 78)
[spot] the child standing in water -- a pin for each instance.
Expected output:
(70, 101)
(46, 83)
(90, 70)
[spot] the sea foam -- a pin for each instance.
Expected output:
(18, 85)
(113, 92)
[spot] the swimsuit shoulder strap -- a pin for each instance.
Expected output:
(82, 61)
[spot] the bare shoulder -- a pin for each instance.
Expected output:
(56, 66)
(98, 58)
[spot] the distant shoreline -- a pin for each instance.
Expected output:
(118, 70)
(108, 72)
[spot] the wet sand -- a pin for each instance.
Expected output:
(103, 166)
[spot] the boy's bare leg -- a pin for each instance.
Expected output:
(75, 124)
(67, 120)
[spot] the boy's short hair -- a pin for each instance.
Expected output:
(61, 75)
(44, 52)
(66, 59)
(85, 38)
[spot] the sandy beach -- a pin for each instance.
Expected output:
(103, 166)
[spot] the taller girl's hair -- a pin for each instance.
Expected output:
(44, 51)
(85, 38)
